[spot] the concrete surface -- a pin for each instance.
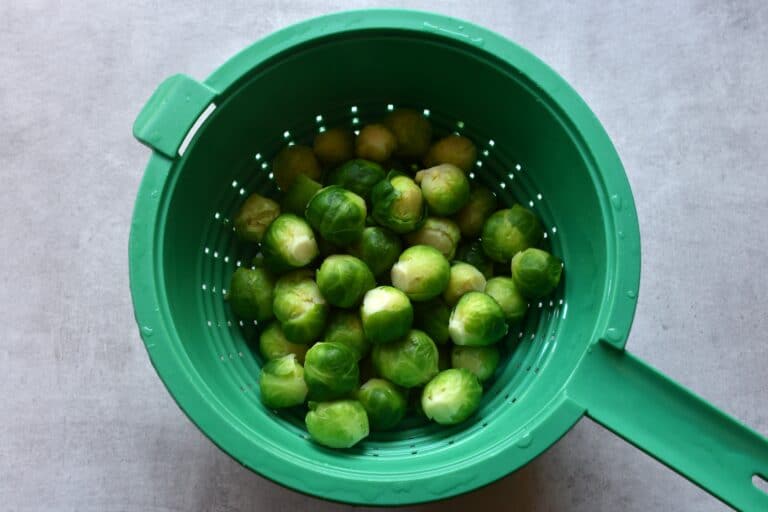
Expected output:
(85, 425)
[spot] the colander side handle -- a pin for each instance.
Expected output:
(683, 431)
(173, 113)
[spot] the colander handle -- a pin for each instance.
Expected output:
(673, 425)
(178, 105)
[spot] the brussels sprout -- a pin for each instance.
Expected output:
(378, 247)
(330, 370)
(412, 131)
(344, 279)
(254, 217)
(300, 307)
(536, 273)
(505, 292)
(345, 327)
(482, 361)
(464, 278)
(453, 149)
(452, 396)
(273, 344)
(340, 424)
(432, 318)
(288, 243)
(477, 320)
(473, 254)
(480, 205)
(440, 233)
(359, 176)
(296, 198)
(421, 272)
(445, 188)
(510, 231)
(281, 383)
(375, 142)
(383, 402)
(334, 146)
(386, 313)
(292, 161)
(398, 203)
(337, 214)
(408, 362)
(250, 293)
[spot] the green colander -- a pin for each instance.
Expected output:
(539, 145)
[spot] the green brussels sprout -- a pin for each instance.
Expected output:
(288, 243)
(300, 307)
(438, 232)
(383, 402)
(505, 292)
(536, 273)
(345, 327)
(473, 254)
(422, 272)
(330, 370)
(408, 362)
(453, 149)
(452, 396)
(339, 424)
(386, 313)
(480, 205)
(477, 320)
(335, 146)
(292, 161)
(254, 217)
(412, 131)
(358, 175)
(482, 361)
(344, 279)
(375, 142)
(464, 279)
(445, 188)
(273, 344)
(250, 293)
(296, 198)
(398, 203)
(432, 318)
(510, 231)
(378, 247)
(281, 383)
(337, 214)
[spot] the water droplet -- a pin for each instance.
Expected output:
(154, 194)
(631, 294)
(524, 441)
(621, 235)
(616, 201)
(147, 331)
(613, 335)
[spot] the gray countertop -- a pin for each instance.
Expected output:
(681, 87)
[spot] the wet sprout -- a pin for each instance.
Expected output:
(358, 176)
(378, 247)
(480, 205)
(505, 292)
(273, 344)
(334, 146)
(344, 279)
(281, 383)
(254, 217)
(441, 233)
(296, 198)
(398, 203)
(386, 314)
(345, 327)
(408, 362)
(421, 272)
(288, 243)
(452, 396)
(510, 231)
(339, 424)
(536, 273)
(384, 403)
(482, 361)
(453, 149)
(464, 279)
(300, 307)
(250, 293)
(337, 214)
(477, 320)
(331, 371)
(412, 131)
(445, 188)
(375, 142)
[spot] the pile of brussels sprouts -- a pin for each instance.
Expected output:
(367, 268)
